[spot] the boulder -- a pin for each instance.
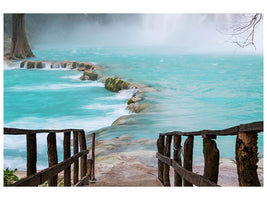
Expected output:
(136, 107)
(22, 64)
(115, 84)
(87, 75)
(30, 65)
(73, 65)
(134, 99)
(40, 65)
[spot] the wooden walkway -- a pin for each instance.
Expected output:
(79, 169)
(246, 156)
(79, 158)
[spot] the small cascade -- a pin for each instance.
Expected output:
(81, 66)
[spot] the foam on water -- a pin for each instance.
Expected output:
(122, 94)
(8, 65)
(75, 77)
(97, 106)
(55, 86)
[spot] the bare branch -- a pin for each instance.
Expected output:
(247, 28)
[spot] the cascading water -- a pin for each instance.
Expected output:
(197, 32)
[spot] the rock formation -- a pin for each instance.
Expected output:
(115, 84)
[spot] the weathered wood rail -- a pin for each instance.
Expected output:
(246, 151)
(50, 174)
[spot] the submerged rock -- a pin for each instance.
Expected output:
(121, 144)
(122, 120)
(135, 98)
(136, 107)
(115, 84)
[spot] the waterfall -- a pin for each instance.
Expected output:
(203, 32)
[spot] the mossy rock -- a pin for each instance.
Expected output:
(115, 84)
(89, 76)
(22, 64)
(88, 66)
(64, 65)
(39, 65)
(74, 65)
(30, 65)
(81, 65)
(83, 78)
(131, 100)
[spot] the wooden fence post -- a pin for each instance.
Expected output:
(31, 154)
(67, 171)
(84, 157)
(246, 158)
(188, 156)
(212, 157)
(76, 163)
(160, 146)
(89, 168)
(52, 156)
(177, 157)
(166, 169)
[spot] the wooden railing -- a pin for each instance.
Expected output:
(50, 174)
(245, 155)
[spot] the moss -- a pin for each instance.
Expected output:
(92, 76)
(30, 65)
(88, 66)
(18, 56)
(82, 78)
(39, 65)
(64, 65)
(130, 101)
(74, 65)
(22, 64)
(115, 85)
(81, 65)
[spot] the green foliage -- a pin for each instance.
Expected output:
(81, 65)
(30, 65)
(10, 177)
(39, 65)
(18, 56)
(22, 64)
(74, 65)
(87, 66)
(64, 65)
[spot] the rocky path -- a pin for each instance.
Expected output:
(117, 166)
(123, 162)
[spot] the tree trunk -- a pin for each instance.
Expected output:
(20, 47)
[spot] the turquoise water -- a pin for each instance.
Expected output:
(193, 92)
